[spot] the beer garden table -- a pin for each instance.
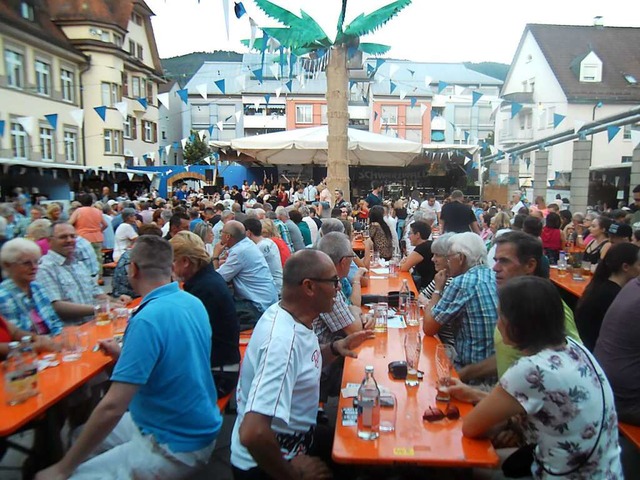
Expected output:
(414, 441)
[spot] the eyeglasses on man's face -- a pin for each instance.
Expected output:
(335, 280)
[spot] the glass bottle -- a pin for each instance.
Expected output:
(562, 264)
(30, 362)
(15, 387)
(368, 406)
(403, 297)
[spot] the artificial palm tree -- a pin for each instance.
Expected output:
(302, 35)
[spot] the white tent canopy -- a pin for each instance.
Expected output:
(309, 146)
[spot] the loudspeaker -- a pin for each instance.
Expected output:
(208, 175)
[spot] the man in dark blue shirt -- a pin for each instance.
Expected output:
(375, 196)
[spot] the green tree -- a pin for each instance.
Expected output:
(302, 35)
(195, 150)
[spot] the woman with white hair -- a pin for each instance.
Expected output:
(23, 301)
(470, 299)
(38, 231)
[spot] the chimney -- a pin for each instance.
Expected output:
(598, 22)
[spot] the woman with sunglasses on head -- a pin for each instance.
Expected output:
(557, 387)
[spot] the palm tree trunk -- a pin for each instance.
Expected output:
(338, 121)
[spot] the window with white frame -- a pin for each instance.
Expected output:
(70, 146)
(112, 142)
(43, 78)
(551, 112)
(26, 11)
(626, 132)
(135, 87)
(118, 39)
(149, 131)
(226, 114)
(18, 141)
(590, 73)
(462, 115)
(139, 52)
(132, 47)
(67, 79)
(126, 125)
(414, 135)
(47, 143)
(14, 64)
(150, 92)
(304, 113)
(389, 115)
(414, 115)
(110, 94)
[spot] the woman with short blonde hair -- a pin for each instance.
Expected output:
(189, 246)
(269, 230)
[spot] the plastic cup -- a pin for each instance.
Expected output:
(381, 312)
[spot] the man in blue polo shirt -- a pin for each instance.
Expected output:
(159, 418)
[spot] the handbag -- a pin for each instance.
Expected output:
(518, 464)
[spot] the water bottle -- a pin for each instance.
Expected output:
(368, 406)
(394, 265)
(30, 363)
(15, 386)
(562, 264)
(403, 297)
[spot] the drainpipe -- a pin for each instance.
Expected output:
(82, 72)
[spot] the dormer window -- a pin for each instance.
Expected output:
(26, 11)
(591, 68)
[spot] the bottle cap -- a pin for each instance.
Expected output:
(26, 339)
(368, 369)
(14, 345)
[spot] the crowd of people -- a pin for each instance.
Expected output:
(280, 259)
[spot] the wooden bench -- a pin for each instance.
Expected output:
(632, 432)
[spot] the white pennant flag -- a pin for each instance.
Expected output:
(167, 149)
(150, 176)
(136, 161)
(78, 116)
(202, 90)
(278, 92)
(254, 29)
(184, 142)
(635, 137)
(238, 115)
(458, 90)
(151, 155)
(256, 106)
(427, 81)
(380, 78)
(423, 109)
(207, 160)
(130, 175)
(402, 94)
(186, 168)
(27, 123)
(393, 68)
(123, 108)
(219, 125)
(163, 98)
(495, 104)
(202, 134)
(578, 124)
(275, 70)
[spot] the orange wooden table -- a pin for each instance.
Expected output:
(567, 282)
(54, 383)
(382, 284)
(414, 440)
(357, 244)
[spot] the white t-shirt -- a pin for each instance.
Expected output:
(516, 208)
(272, 255)
(125, 235)
(313, 228)
(279, 378)
(436, 208)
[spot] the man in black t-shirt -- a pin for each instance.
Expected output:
(457, 217)
(375, 196)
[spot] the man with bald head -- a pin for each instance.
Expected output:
(248, 271)
(279, 382)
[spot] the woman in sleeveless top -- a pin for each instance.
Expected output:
(597, 248)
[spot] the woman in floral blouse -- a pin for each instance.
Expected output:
(558, 389)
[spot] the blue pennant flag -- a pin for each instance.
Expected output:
(375, 116)
(175, 145)
(414, 100)
(238, 9)
(102, 111)
(142, 101)
(289, 85)
(552, 183)
(557, 119)
(392, 87)
(52, 119)
(267, 97)
(258, 74)
(612, 131)
(365, 100)
(514, 158)
(192, 137)
(412, 72)
(220, 85)
(292, 61)
(370, 70)
(184, 95)
(515, 109)
(2, 128)
(351, 84)
(210, 130)
(442, 85)
(434, 114)
(379, 62)
(475, 96)
(527, 162)
(466, 136)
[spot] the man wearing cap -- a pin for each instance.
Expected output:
(620, 233)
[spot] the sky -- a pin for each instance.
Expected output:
(426, 31)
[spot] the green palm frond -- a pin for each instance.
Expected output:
(365, 24)
(280, 14)
(294, 38)
(374, 48)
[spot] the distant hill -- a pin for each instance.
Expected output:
(182, 68)
(493, 69)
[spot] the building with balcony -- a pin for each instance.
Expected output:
(63, 56)
(563, 77)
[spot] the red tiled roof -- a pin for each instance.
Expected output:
(617, 47)
(114, 12)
